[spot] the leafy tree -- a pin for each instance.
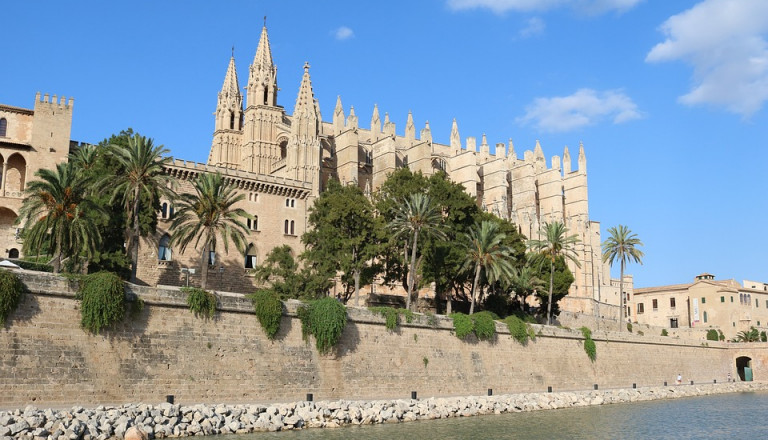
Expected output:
(58, 215)
(140, 178)
(485, 251)
(288, 280)
(561, 282)
(341, 234)
(556, 243)
(205, 215)
(622, 245)
(416, 215)
(751, 335)
(524, 282)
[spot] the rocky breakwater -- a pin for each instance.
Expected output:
(167, 420)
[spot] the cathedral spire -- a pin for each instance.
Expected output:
(262, 81)
(566, 161)
(582, 159)
(375, 123)
(455, 138)
(229, 108)
(338, 117)
(410, 129)
(305, 116)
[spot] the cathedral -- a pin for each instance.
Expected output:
(281, 162)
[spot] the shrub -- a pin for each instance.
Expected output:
(462, 325)
(589, 345)
(200, 302)
(269, 310)
(519, 330)
(763, 336)
(34, 265)
(629, 327)
(484, 325)
(722, 336)
(664, 332)
(712, 335)
(325, 320)
(390, 314)
(11, 290)
(498, 304)
(102, 301)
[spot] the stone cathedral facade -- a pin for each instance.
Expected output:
(281, 162)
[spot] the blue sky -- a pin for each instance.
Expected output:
(669, 97)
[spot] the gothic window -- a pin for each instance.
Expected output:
(292, 227)
(232, 121)
(287, 202)
(3, 127)
(164, 249)
(250, 257)
(286, 227)
(293, 203)
(283, 149)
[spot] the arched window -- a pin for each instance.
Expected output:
(283, 149)
(293, 203)
(287, 203)
(164, 249)
(3, 127)
(13, 253)
(250, 257)
(291, 227)
(286, 227)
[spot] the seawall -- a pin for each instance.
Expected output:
(48, 360)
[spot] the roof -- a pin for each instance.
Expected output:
(11, 108)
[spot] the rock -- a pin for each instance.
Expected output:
(135, 433)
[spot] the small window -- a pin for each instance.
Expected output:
(3, 127)
(293, 203)
(164, 249)
(703, 300)
(731, 298)
(722, 299)
(757, 303)
(13, 253)
(673, 322)
(705, 317)
(758, 323)
(250, 257)
(164, 210)
(287, 202)
(640, 308)
(672, 303)
(292, 232)
(285, 231)
(211, 258)
(655, 304)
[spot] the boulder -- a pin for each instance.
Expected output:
(135, 433)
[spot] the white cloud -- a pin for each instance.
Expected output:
(343, 33)
(724, 41)
(501, 6)
(534, 26)
(585, 107)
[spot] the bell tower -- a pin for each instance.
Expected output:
(227, 134)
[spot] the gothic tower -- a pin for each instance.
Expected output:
(303, 149)
(227, 135)
(261, 151)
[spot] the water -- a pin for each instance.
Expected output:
(725, 416)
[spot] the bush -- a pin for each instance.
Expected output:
(629, 327)
(200, 302)
(664, 332)
(325, 320)
(589, 345)
(102, 301)
(33, 265)
(763, 336)
(462, 325)
(392, 315)
(485, 325)
(269, 310)
(11, 290)
(498, 304)
(519, 330)
(721, 335)
(712, 335)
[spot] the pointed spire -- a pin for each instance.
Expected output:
(262, 81)
(455, 138)
(426, 133)
(566, 161)
(263, 57)
(375, 123)
(352, 118)
(305, 116)
(231, 86)
(338, 117)
(582, 159)
(389, 127)
(484, 147)
(410, 130)
(511, 150)
(230, 103)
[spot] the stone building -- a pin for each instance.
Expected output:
(283, 161)
(705, 303)
(30, 139)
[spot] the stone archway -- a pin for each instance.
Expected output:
(744, 368)
(15, 174)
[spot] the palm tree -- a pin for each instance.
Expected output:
(141, 180)
(416, 215)
(524, 282)
(486, 251)
(207, 214)
(556, 243)
(58, 213)
(621, 246)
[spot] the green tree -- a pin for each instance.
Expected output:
(524, 281)
(140, 178)
(416, 215)
(561, 282)
(486, 252)
(751, 335)
(622, 246)
(205, 215)
(341, 235)
(58, 215)
(556, 243)
(290, 281)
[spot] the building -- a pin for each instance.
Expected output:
(705, 303)
(283, 161)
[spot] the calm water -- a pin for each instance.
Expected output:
(728, 416)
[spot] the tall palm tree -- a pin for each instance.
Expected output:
(622, 245)
(141, 180)
(524, 281)
(486, 251)
(417, 215)
(57, 212)
(207, 214)
(556, 243)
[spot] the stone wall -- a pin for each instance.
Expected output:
(164, 350)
